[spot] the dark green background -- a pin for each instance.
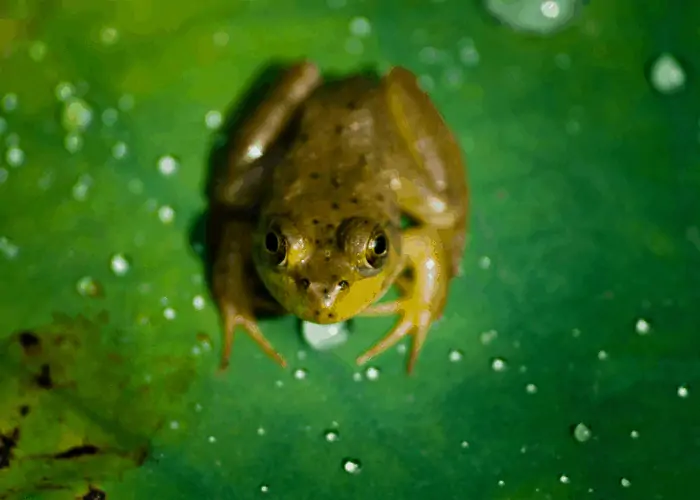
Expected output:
(585, 199)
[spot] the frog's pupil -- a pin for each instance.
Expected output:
(379, 246)
(272, 243)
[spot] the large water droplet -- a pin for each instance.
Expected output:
(667, 75)
(324, 337)
(109, 35)
(582, 433)
(14, 156)
(7, 248)
(499, 364)
(167, 165)
(372, 373)
(213, 119)
(331, 436)
(642, 327)
(683, 391)
(455, 355)
(166, 214)
(119, 264)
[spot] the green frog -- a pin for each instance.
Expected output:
(317, 180)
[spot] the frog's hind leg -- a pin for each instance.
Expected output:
(259, 133)
(434, 188)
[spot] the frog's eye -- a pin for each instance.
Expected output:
(276, 246)
(377, 249)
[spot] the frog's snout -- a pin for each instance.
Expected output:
(322, 298)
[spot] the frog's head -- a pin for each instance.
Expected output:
(326, 272)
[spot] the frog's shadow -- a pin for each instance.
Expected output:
(204, 232)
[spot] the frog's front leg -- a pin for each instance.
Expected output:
(238, 185)
(232, 289)
(425, 297)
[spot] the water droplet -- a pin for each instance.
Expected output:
(352, 466)
(3, 125)
(14, 156)
(211, 439)
(682, 391)
(642, 327)
(564, 479)
(109, 35)
(550, 9)
(213, 119)
(331, 436)
(360, 27)
(261, 431)
(563, 61)
(64, 91)
(625, 482)
(485, 262)
(174, 425)
(455, 355)
(110, 116)
(464, 444)
(453, 77)
(198, 302)
(300, 374)
(372, 373)
(88, 287)
(73, 142)
(167, 165)
(77, 114)
(119, 264)
(264, 488)
(169, 313)
(37, 51)
(81, 188)
(324, 337)
(357, 377)
(667, 75)
(498, 364)
(634, 435)
(336, 4)
(488, 336)
(166, 214)
(7, 248)
(119, 150)
(602, 355)
(531, 388)
(582, 433)
(126, 102)
(4, 174)
(9, 102)
(426, 83)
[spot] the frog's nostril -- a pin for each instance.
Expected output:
(304, 283)
(343, 285)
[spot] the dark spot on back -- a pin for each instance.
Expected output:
(352, 105)
(335, 206)
(95, 494)
(76, 452)
(330, 227)
(338, 129)
(303, 137)
(43, 380)
(380, 197)
(7, 444)
(314, 175)
(314, 221)
(24, 410)
(354, 200)
(331, 315)
(318, 242)
(28, 340)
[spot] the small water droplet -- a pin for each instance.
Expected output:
(14, 156)
(464, 444)
(485, 262)
(73, 142)
(564, 479)
(336, 4)
(531, 388)
(220, 38)
(211, 439)
(682, 391)
(634, 435)
(550, 9)
(582, 433)
(198, 302)
(563, 61)
(372, 373)
(7, 248)
(213, 119)
(602, 355)
(9, 102)
(455, 355)
(352, 466)
(264, 488)
(300, 374)
(12, 140)
(498, 364)
(468, 53)
(167, 165)
(119, 264)
(488, 336)
(625, 482)
(119, 150)
(642, 327)
(110, 116)
(109, 35)
(261, 431)
(166, 214)
(88, 287)
(174, 425)
(81, 187)
(37, 51)
(331, 436)
(354, 46)
(667, 75)
(426, 83)
(169, 313)
(77, 114)
(3, 125)
(360, 27)
(357, 377)
(4, 174)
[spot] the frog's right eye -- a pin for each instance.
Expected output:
(276, 246)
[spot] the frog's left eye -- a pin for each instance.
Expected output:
(276, 246)
(377, 249)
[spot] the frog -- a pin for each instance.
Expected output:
(317, 181)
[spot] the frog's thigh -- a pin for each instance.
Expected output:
(261, 130)
(433, 188)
